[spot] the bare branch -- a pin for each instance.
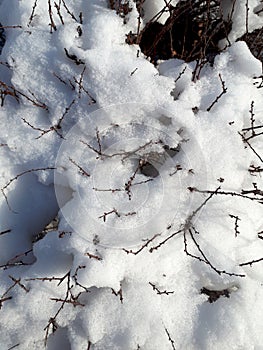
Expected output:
(92, 256)
(11, 27)
(158, 290)
(170, 339)
(251, 262)
(53, 127)
(204, 258)
(68, 299)
(165, 240)
(19, 175)
(131, 74)
(129, 183)
(4, 232)
(16, 282)
(68, 11)
(58, 126)
(237, 232)
(227, 193)
(252, 119)
(81, 170)
(43, 131)
(14, 346)
(32, 13)
(190, 218)
(247, 10)
(108, 213)
(224, 90)
(119, 293)
(145, 245)
(52, 23)
(59, 78)
(180, 74)
(2, 300)
(255, 169)
(81, 87)
(57, 6)
(249, 145)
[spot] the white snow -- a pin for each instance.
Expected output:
(83, 118)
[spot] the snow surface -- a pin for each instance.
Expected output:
(115, 273)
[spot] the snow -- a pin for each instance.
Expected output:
(154, 8)
(148, 175)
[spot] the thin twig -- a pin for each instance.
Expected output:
(119, 293)
(4, 232)
(52, 23)
(14, 346)
(227, 193)
(32, 13)
(247, 10)
(145, 245)
(237, 232)
(224, 90)
(19, 175)
(113, 211)
(251, 147)
(81, 170)
(204, 258)
(2, 300)
(68, 11)
(180, 74)
(251, 262)
(158, 291)
(170, 339)
(58, 126)
(11, 27)
(165, 240)
(93, 256)
(57, 6)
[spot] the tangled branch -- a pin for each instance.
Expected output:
(69, 297)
